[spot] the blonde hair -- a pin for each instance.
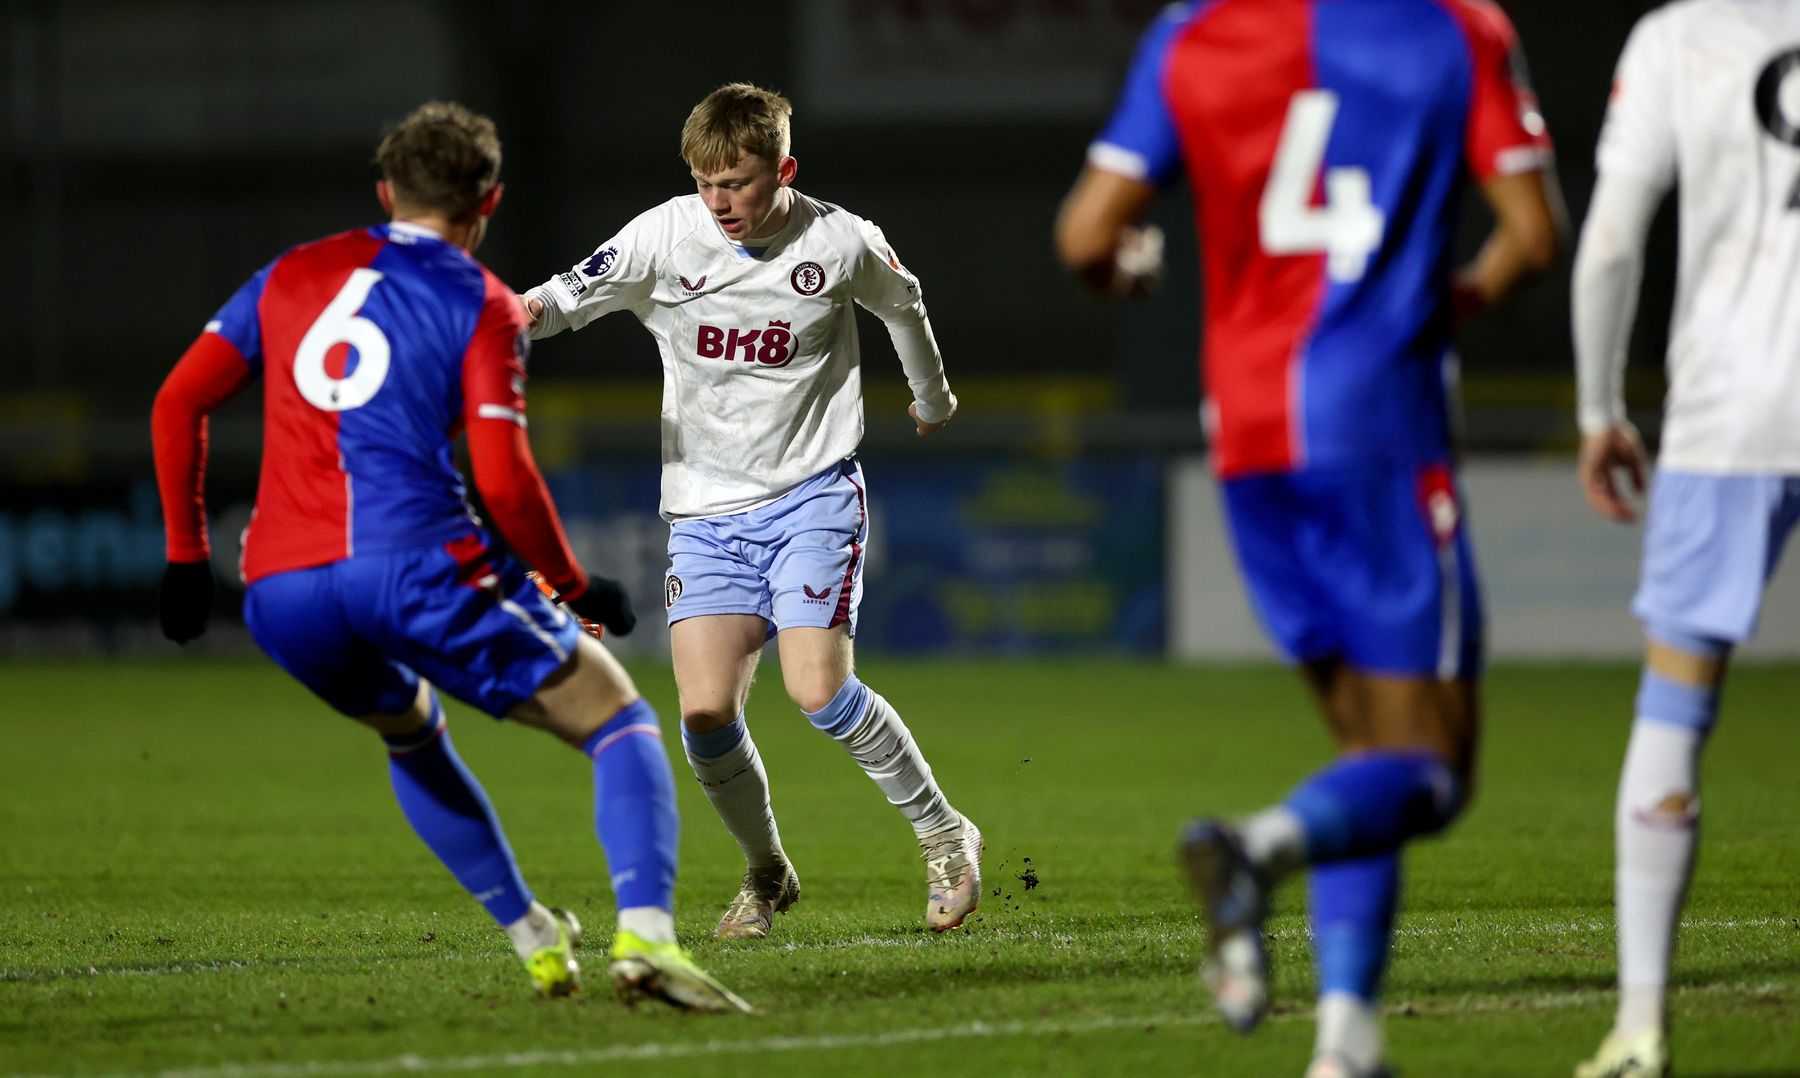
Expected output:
(442, 157)
(732, 121)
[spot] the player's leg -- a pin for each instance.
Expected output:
(1710, 546)
(1400, 597)
(815, 538)
(1656, 836)
(469, 618)
(818, 669)
(450, 812)
(591, 704)
(715, 658)
(299, 619)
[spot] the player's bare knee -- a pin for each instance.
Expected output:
(400, 723)
(813, 695)
(1699, 663)
(704, 720)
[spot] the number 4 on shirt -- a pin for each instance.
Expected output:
(1348, 226)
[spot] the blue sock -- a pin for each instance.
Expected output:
(715, 743)
(846, 709)
(448, 809)
(1352, 907)
(1371, 802)
(634, 807)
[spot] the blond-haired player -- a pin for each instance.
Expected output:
(748, 287)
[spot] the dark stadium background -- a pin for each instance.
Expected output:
(155, 154)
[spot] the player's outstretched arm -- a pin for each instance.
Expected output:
(1098, 237)
(619, 275)
(1528, 237)
(208, 374)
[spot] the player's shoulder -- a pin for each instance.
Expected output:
(668, 223)
(1659, 34)
(1484, 21)
(830, 222)
(675, 215)
(498, 299)
(1673, 19)
(349, 244)
(828, 227)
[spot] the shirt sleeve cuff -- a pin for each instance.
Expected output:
(1110, 157)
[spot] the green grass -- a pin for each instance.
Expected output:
(200, 868)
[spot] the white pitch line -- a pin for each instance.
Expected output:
(664, 1050)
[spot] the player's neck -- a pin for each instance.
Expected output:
(463, 235)
(777, 220)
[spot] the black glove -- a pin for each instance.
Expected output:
(186, 599)
(605, 602)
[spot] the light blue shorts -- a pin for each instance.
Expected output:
(1710, 546)
(796, 562)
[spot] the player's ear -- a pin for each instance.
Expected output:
(384, 195)
(785, 171)
(491, 201)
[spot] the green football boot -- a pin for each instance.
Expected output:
(645, 970)
(553, 969)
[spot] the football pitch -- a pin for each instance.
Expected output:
(204, 874)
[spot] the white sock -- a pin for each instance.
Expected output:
(882, 745)
(653, 924)
(1349, 1026)
(738, 788)
(535, 930)
(1274, 841)
(1655, 860)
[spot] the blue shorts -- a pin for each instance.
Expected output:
(1710, 546)
(360, 632)
(1369, 564)
(796, 562)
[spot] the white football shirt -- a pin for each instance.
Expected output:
(762, 380)
(1707, 98)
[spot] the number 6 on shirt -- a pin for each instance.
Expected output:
(339, 324)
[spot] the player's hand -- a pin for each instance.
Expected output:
(533, 307)
(1137, 262)
(604, 601)
(1603, 457)
(185, 601)
(922, 428)
(1466, 300)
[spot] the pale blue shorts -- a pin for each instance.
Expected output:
(1710, 546)
(796, 562)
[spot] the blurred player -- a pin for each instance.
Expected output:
(367, 573)
(747, 287)
(1707, 99)
(1327, 144)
